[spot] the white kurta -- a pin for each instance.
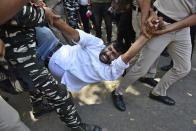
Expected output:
(79, 65)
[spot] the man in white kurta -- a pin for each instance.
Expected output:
(79, 65)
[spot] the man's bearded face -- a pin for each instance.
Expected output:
(108, 54)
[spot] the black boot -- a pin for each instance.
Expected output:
(86, 127)
(149, 81)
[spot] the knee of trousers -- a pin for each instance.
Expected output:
(139, 71)
(62, 96)
(183, 69)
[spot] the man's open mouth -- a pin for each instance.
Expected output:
(104, 58)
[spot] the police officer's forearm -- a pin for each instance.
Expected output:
(30, 16)
(67, 30)
(187, 22)
(134, 49)
(145, 6)
(8, 8)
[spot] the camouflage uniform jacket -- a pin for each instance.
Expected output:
(18, 35)
(20, 32)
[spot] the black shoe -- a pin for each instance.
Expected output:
(166, 68)
(87, 127)
(118, 101)
(41, 109)
(165, 53)
(165, 99)
(149, 81)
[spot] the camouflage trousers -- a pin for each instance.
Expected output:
(72, 10)
(22, 54)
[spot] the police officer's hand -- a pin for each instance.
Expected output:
(2, 48)
(50, 16)
(164, 30)
(148, 25)
(153, 24)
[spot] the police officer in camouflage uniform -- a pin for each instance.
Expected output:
(19, 37)
(72, 9)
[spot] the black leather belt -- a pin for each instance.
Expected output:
(136, 8)
(52, 52)
(166, 18)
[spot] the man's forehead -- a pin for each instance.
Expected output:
(111, 45)
(114, 49)
(107, 46)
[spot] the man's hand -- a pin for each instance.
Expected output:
(2, 48)
(50, 16)
(166, 29)
(153, 24)
(143, 30)
(148, 24)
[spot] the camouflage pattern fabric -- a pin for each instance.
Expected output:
(72, 9)
(19, 37)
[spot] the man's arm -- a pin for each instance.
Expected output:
(140, 42)
(30, 16)
(187, 22)
(134, 49)
(145, 7)
(8, 8)
(66, 30)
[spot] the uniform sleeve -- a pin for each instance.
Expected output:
(30, 16)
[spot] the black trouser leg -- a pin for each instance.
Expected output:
(85, 20)
(125, 29)
(96, 10)
(108, 21)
